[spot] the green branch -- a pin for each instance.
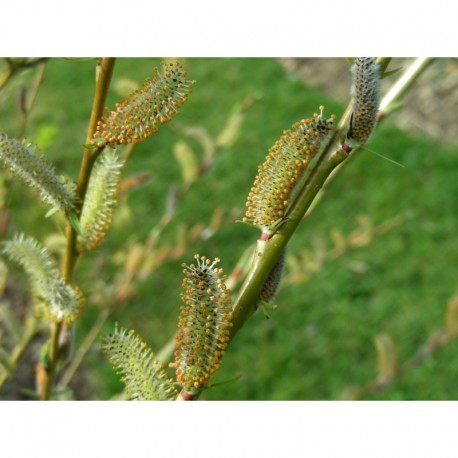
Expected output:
(268, 252)
(328, 164)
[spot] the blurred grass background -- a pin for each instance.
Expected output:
(333, 301)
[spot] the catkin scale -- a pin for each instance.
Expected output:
(282, 169)
(365, 100)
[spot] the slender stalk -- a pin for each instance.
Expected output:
(104, 72)
(15, 67)
(52, 361)
(84, 347)
(29, 98)
(103, 77)
(30, 330)
(404, 83)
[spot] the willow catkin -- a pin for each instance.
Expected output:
(138, 116)
(204, 324)
(270, 287)
(100, 201)
(365, 100)
(142, 373)
(282, 169)
(54, 297)
(29, 166)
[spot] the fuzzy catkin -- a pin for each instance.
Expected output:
(365, 100)
(204, 324)
(25, 162)
(142, 373)
(138, 116)
(285, 164)
(54, 298)
(100, 201)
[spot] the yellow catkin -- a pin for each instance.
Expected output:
(282, 169)
(138, 116)
(204, 324)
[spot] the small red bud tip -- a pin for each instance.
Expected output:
(346, 148)
(187, 396)
(265, 236)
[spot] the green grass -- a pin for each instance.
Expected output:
(320, 340)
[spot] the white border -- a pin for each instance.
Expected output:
(248, 28)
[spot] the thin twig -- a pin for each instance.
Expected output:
(84, 347)
(104, 72)
(30, 329)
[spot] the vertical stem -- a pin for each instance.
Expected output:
(52, 361)
(104, 72)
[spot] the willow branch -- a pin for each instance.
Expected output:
(104, 73)
(327, 165)
(404, 83)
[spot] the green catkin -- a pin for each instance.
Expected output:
(100, 201)
(365, 100)
(138, 116)
(25, 162)
(142, 373)
(54, 298)
(269, 290)
(288, 159)
(204, 324)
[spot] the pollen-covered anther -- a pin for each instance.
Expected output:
(282, 169)
(136, 118)
(205, 318)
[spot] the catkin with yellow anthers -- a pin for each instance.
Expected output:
(138, 116)
(269, 290)
(100, 201)
(142, 373)
(204, 324)
(54, 298)
(25, 162)
(365, 100)
(284, 166)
